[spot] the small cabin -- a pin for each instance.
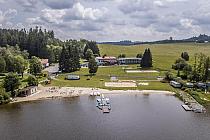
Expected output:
(28, 91)
(72, 77)
(175, 84)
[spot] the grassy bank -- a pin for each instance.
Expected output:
(103, 75)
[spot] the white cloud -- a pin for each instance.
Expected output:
(80, 12)
(2, 18)
(10, 13)
(53, 16)
(110, 19)
(159, 3)
(2, 1)
(7, 15)
(59, 4)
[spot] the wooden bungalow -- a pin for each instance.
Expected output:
(27, 91)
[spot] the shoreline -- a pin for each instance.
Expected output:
(45, 93)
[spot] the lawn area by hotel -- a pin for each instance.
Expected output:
(104, 75)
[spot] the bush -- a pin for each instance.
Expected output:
(32, 80)
(187, 90)
(199, 90)
(4, 97)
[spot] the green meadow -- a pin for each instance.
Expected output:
(164, 55)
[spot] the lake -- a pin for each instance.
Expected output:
(133, 117)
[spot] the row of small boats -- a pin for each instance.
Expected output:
(101, 102)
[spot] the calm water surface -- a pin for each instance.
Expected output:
(133, 117)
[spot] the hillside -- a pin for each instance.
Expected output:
(164, 55)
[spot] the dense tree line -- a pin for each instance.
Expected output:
(13, 60)
(199, 71)
(70, 57)
(92, 46)
(35, 41)
(146, 61)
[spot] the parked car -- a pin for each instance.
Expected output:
(175, 84)
(189, 85)
(72, 77)
(201, 85)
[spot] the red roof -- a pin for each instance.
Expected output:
(44, 61)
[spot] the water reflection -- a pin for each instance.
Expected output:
(132, 117)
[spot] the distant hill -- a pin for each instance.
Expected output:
(123, 43)
(202, 38)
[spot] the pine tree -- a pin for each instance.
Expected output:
(146, 61)
(93, 67)
(93, 46)
(206, 70)
(35, 66)
(69, 58)
(11, 83)
(185, 56)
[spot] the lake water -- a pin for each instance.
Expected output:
(133, 117)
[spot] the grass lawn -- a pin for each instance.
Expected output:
(103, 75)
(164, 55)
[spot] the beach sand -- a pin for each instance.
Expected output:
(61, 92)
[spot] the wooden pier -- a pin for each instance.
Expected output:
(186, 108)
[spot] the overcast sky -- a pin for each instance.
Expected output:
(110, 20)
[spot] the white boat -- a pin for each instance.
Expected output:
(95, 93)
(103, 102)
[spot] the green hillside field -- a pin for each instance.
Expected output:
(164, 55)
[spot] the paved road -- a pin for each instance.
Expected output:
(52, 69)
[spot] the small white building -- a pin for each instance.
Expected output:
(106, 60)
(133, 60)
(28, 91)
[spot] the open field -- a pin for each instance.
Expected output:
(103, 75)
(164, 55)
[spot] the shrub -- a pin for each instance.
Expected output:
(32, 80)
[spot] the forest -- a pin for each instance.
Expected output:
(21, 51)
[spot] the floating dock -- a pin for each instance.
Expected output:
(186, 108)
(105, 109)
(103, 104)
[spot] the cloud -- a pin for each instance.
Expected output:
(2, 1)
(110, 19)
(2, 18)
(27, 3)
(53, 16)
(132, 6)
(7, 15)
(59, 4)
(10, 13)
(79, 12)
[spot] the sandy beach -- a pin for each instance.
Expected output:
(62, 92)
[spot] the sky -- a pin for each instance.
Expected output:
(110, 20)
